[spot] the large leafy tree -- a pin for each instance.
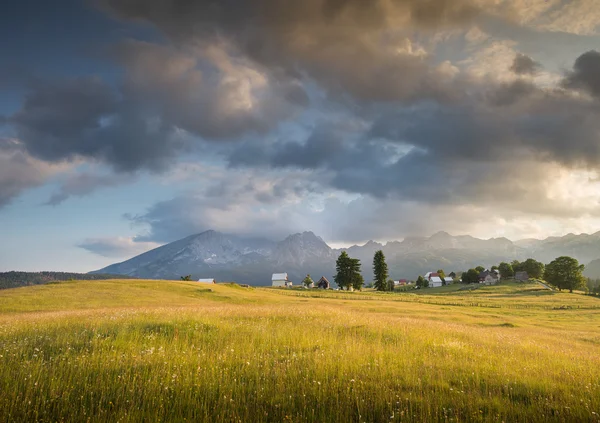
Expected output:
(506, 270)
(479, 269)
(348, 272)
(441, 273)
(470, 276)
(565, 273)
(517, 266)
(380, 271)
(534, 268)
(307, 281)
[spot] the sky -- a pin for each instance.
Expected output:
(128, 124)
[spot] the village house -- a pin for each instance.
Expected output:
(489, 277)
(435, 281)
(400, 282)
(521, 276)
(323, 283)
(280, 279)
(207, 280)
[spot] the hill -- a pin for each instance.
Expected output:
(144, 350)
(253, 260)
(16, 279)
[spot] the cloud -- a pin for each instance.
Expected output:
(166, 98)
(90, 122)
(81, 184)
(585, 75)
(119, 247)
(524, 65)
(19, 171)
(243, 202)
(350, 48)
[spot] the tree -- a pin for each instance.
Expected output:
(390, 285)
(565, 273)
(506, 270)
(186, 278)
(494, 267)
(308, 281)
(357, 279)
(380, 270)
(441, 273)
(517, 266)
(479, 269)
(420, 283)
(348, 272)
(471, 276)
(534, 268)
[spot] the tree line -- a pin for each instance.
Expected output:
(563, 273)
(16, 279)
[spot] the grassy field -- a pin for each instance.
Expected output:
(178, 351)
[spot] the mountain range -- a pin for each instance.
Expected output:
(225, 257)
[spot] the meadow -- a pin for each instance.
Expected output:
(129, 350)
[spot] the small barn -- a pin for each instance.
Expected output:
(280, 279)
(448, 280)
(521, 276)
(207, 280)
(323, 283)
(435, 281)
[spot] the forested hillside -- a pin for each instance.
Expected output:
(17, 279)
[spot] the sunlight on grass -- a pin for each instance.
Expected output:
(169, 351)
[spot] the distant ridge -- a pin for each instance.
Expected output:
(252, 260)
(16, 279)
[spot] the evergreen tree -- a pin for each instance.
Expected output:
(380, 271)
(348, 272)
(420, 283)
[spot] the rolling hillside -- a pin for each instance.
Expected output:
(146, 350)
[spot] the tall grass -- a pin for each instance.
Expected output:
(256, 355)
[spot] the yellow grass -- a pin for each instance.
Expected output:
(176, 351)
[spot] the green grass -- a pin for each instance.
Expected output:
(177, 351)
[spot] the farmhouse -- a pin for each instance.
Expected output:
(280, 279)
(434, 279)
(207, 280)
(435, 282)
(489, 278)
(323, 283)
(521, 276)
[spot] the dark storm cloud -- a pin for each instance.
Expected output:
(137, 125)
(349, 47)
(525, 65)
(64, 120)
(451, 154)
(585, 75)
